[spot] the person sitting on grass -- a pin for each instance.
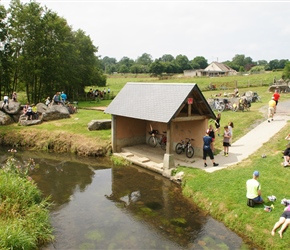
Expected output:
(286, 155)
(254, 189)
(284, 220)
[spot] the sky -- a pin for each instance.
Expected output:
(216, 30)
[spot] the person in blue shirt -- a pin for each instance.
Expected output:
(207, 140)
(63, 97)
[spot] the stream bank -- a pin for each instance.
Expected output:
(58, 142)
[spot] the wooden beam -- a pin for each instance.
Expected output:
(190, 118)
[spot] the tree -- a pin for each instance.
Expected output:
(109, 65)
(286, 71)
(262, 62)
(199, 62)
(274, 64)
(126, 61)
(282, 63)
(145, 59)
(241, 60)
(182, 63)
(136, 69)
(5, 53)
(48, 56)
(167, 58)
(157, 67)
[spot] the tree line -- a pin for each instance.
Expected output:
(41, 54)
(173, 65)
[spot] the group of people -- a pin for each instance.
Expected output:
(98, 93)
(209, 138)
(254, 193)
(58, 98)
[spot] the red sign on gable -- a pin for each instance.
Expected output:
(189, 100)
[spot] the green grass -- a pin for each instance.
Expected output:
(223, 193)
(24, 214)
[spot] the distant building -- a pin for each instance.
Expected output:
(214, 69)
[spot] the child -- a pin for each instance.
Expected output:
(226, 141)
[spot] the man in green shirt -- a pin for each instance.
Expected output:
(254, 188)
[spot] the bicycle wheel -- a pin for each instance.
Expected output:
(152, 141)
(163, 145)
(178, 148)
(221, 106)
(189, 151)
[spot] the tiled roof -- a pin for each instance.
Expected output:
(155, 101)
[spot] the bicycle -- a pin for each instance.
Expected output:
(217, 105)
(185, 145)
(156, 138)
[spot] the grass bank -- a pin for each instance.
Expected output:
(24, 213)
(223, 193)
(67, 135)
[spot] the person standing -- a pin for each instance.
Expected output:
(284, 220)
(276, 97)
(271, 109)
(231, 126)
(207, 140)
(5, 102)
(254, 189)
(217, 123)
(212, 135)
(226, 140)
(14, 96)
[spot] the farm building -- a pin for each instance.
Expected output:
(214, 69)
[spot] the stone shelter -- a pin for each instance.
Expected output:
(178, 109)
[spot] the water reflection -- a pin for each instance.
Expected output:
(99, 206)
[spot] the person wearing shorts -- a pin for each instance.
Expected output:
(207, 140)
(284, 220)
(226, 141)
(276, 97)
(271, 109)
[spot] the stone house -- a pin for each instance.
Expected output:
(179, 109)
